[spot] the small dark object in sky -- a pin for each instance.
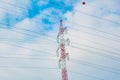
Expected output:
(83, 3)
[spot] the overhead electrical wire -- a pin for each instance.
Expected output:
(95, 29)
(96, 35)
(12, 4)
(102, 50)
(78, 73)
(106, 69)
(114, 22)
(96, 43)
(26, 13)
(61, 6)
(32, 49)
(93, 34)
(85, 46)
(79, 48)
(88, 63)
(85, 13)
(97, 66)
(49, 68)
(30, 31)
(27, 67)
(69, 21)
(97, 53)
(87, 50)
(114, 40)
(72, 42)
(89, 32)
(24, 47)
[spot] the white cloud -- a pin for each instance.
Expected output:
(43, 2)
(45, 44)
(84, 38)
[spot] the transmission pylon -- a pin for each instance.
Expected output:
(62, 51)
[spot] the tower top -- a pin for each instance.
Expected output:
(61, 30)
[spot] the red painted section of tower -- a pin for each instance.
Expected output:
(63, 57)
(64, 74)
(63, 52)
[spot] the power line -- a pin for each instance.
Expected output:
(91, 52)
(27, 67)
(100, 67)
(85, 13)
(97, 53)
(26, 13)
(72, 29)
(84, 74)
(32, 35)
(96, 17)
(96, 35)
(72, 42)
(60, 6)
(105, 55)
(74, 23)
(11, 10)
(85, 32)
(103, 50)
(97, 43)
(97, 66)
(83, 62)
(81, 44)
(49, 68)
(13, 4)
(54, 37)
(30, 57)
(27, 30)
(84, 45)
(24, 47)
(104, 68)
(88, 27)
(53, 58)
(91, 33)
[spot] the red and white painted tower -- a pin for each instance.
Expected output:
(62, 51)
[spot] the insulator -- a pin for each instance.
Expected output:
(58, 38)
(57, 52)
(67, 55)
(68, 41)
(59, 64)
(65, 30)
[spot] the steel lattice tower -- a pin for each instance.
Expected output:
(62, 51)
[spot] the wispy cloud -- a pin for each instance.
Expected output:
(28, 39)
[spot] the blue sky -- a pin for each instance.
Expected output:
(28, 30)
